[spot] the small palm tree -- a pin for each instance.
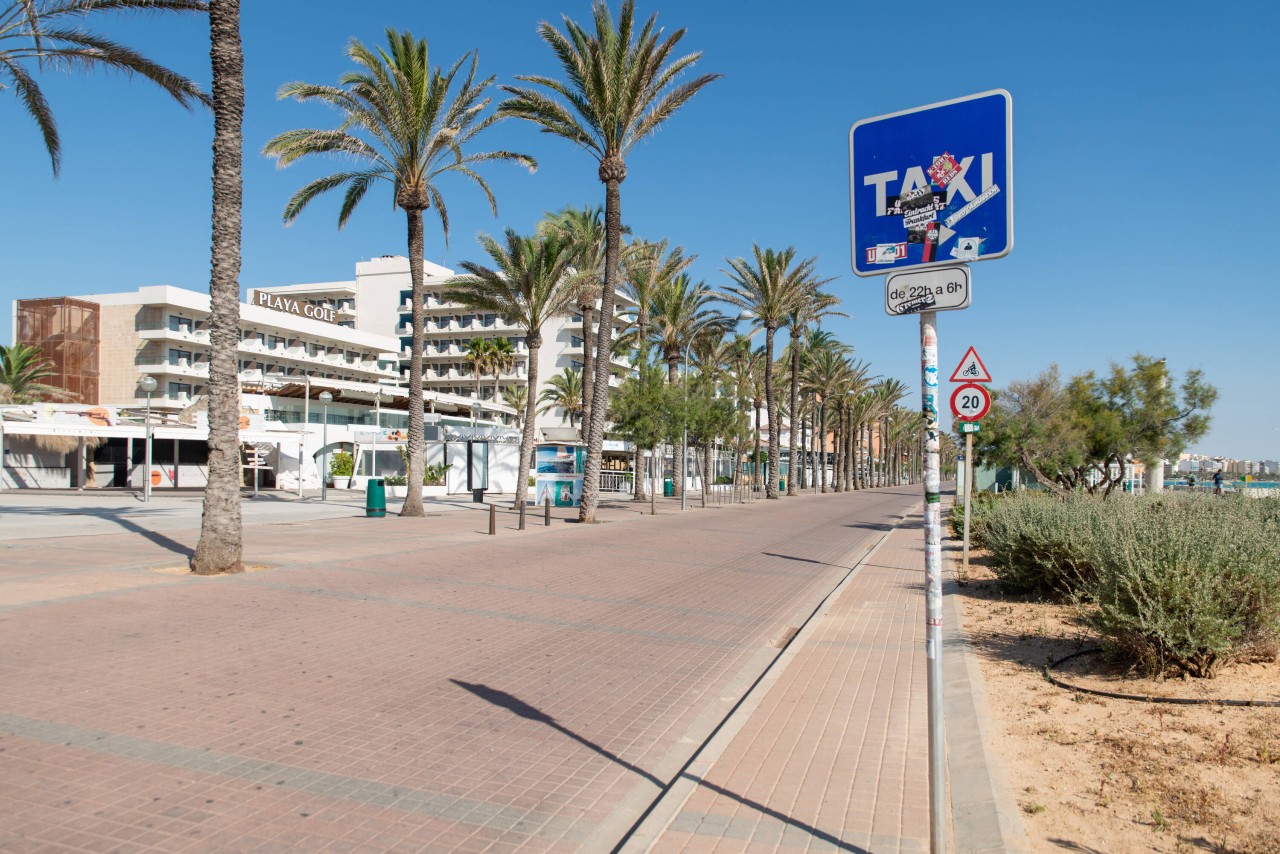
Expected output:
(502, 360)
(620, 86)
(770, 287)
(809, 309)
(528, 284)
(476, 355)
(47, 33)
(563, 390)
(22, 371)
(220, 548)
(404, 123)
(517, 397)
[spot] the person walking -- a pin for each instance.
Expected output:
(1217, 482)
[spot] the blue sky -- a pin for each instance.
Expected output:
(1139, 133)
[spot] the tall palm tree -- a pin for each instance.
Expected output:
(809, 309)
(502, 359)
(403, 123)
(47, 33)
(887, 393)
(583, 229)
(528, 284)
(22, 371)
(476, 354)
(769, 287)
(221, 545)
(646, 268)
(517, 397)
(564, 390)
(619, 87)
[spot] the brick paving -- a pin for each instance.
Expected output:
(415, 685)
(833, 756)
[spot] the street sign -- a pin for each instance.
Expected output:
(971, 369)
(933, 185)
(943, 289)
(970, 402)
(968, 427)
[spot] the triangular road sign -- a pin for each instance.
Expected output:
(971, 369)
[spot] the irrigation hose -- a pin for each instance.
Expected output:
(1142, 698)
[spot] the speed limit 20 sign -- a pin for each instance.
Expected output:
(970, 402)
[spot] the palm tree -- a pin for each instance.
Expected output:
(528, 284)
(619, 87)
(564, 390)
(810, 308)
(221, 545)
(403, 123)
(22, 370)
(47, 32)
(583, 230)
(646, 269)
(476, 355)
(887, 393)
(770, 289)
(517, 397)
(502, 360)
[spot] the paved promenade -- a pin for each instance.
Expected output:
(416, 685)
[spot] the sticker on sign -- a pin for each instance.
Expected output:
(970, 402)
(942, 289)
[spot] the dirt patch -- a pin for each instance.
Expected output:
(186, 570)
(1097, 774)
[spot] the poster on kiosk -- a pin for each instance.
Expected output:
(558, 474)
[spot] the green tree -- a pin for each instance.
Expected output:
(476, 353)
(564, 390)
(47, 34)
(527, 284)
(620, 85)
(502, 360)
(770, 286)
(517, 397)
(646, 411)
(22, 371)
(220, 548)
(403, 123)
(809, 309)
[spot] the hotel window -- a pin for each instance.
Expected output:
(276, 341)
(466, 320)
(178, 323)
(177, 356)
(179, 389)
(575, 341)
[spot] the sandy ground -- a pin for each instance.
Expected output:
(1104, 775)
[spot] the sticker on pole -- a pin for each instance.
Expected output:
(943, 289)
(970, 402)
(971, 369)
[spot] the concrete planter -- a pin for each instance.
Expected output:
(427, 491)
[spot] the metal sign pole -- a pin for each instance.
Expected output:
(968, 495)
(933, 580)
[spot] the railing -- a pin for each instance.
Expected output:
(616, 481)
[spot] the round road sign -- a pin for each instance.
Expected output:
(970, 402)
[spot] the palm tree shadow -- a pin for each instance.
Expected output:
(113, 515)
(804, 560)
(522, 709)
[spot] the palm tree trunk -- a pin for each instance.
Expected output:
(792, 441)
(588, 363)
(849, 458)
(755, 462)
(771, 402)
(677, 480)
(533, 339)
(857, 455)
(799, 467)
(838, 473)
(613, 176)
(822, 454)
(637, 482)
(221, 545)
(417, 438)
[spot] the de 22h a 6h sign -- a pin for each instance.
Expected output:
(932, 186)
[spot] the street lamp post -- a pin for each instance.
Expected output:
(148, 384)
(326, 398)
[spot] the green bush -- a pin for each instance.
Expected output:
(1190, 582)
(341, 464)
(1040, 543)
(395, 480)
(1181, 582)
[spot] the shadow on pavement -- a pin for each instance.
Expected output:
(519, 707)
(804, 560)
(111, 516)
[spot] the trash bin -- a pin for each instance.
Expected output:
(668, 487)
(782, 484)
(375, 498)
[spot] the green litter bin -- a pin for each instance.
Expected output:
(668, 487)
(375, 498)
(782, 484)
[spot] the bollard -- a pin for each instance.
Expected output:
(522, 514)
(493, 519)
(546, 513)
